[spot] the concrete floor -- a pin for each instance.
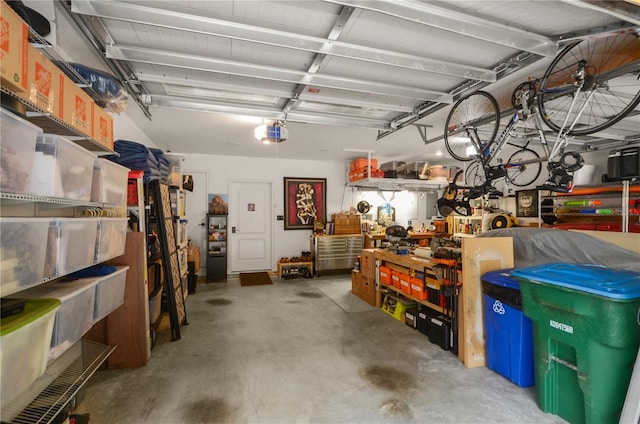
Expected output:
(301, 351)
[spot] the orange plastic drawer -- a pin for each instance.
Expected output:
(417, 288)
(395, 278)
(363, 163)
(384, 275)
(405, 286)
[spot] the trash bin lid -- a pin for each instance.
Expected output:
(596, 279)
(501, 277)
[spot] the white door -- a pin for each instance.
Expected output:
(250, 221)
(197, 214)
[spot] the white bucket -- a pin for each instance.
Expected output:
(584, 175)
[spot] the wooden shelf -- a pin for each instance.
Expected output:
(408, 261)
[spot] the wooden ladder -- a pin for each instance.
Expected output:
(631, 408)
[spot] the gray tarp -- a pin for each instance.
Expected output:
(535, 246)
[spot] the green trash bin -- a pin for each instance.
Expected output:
(586, 332)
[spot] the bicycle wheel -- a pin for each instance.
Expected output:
(474, 175)
(475, 116)
(610, 88)
(523, 167)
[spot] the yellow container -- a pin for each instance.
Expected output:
(397, 306)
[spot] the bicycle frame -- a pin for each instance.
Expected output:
(489, 152)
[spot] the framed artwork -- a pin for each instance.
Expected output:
(386, 215)
(305, 200)
(218, 204)
(527, 203)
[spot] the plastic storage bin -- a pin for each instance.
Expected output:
(586, 336)
(109, 183)
(73, 243)
(384, 274)
(111, 239)
(110, 292)
(508, 333)
(397, 306)
(395, 278)
(75, 315)
(393, 169)
(62, 168)
(24, 345)
(418, 289)
(23, 248)
(17, 150)
(405, 285)
(417, 170)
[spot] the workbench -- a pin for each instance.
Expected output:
(404, 263)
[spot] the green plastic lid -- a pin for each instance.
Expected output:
(33, 309)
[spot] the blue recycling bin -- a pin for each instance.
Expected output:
(508, 332)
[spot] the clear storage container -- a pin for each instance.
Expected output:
(111, 239)
(24, 346)
(109, 184)
(62, 169)
(18, 146)
(73, 244)
(75, 315)
(110, 292)
(23, 249)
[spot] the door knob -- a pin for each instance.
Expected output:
(233, 229)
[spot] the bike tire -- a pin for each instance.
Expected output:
(474, 175)
(525, 174)
(475, 115)
(611, 89)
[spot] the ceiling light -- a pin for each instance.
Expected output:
(274, 133)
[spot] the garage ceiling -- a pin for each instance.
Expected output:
(364, 72)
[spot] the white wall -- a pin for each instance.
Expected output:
(223, 169)
(125, 129)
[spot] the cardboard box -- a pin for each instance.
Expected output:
(355, 282)
(368, 290)
(14, 40)
(193, 255)
(43, 82)
(368, 263)
(101, 126)
(75, 108)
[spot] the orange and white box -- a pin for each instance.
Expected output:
(75, 107)
(43, 81)
(102, 126)
(14, 40)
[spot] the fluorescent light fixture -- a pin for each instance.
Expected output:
(207, 93)
(368, 112)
